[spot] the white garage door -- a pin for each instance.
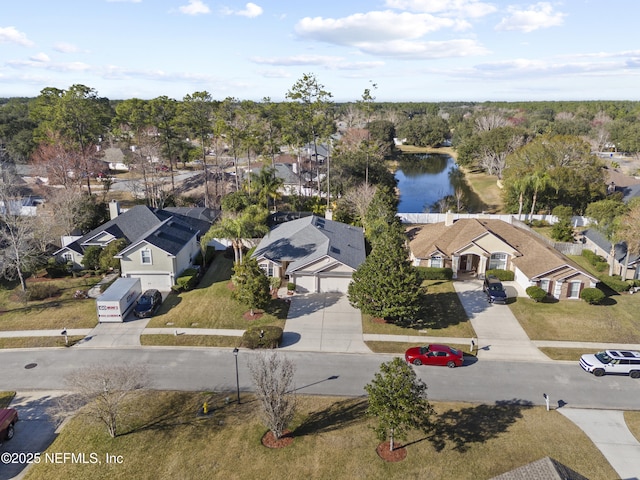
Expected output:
(334, 284)
(160, 281)
(306, 284)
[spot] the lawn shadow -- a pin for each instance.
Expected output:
(182, 409)
(476, 424)
(279, 308)
(338, 415)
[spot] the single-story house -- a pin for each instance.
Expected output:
(317, 254)
(595, 241)
(161, 244)
(477, 245)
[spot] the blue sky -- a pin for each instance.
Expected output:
(413, 50)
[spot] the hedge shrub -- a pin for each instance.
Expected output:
(434, 273)
(593, 296)
(593, 258)
(536, 293)
(268, 336)
(615, 283)
(42, 291)
(187, 281)
(502, 275)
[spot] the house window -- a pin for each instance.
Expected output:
(146, 257)
(574, 289)
(498, 261)
(544, 285)
(67, 257)
(436, 262)
(267, 268)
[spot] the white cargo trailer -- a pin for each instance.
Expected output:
(118, 300)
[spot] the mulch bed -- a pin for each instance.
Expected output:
(398, 454)
(256, 315)
(378, 320)
(270, 441)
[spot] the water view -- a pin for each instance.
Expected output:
(428, 183)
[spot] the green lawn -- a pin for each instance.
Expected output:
(52, 313)
(210, 304)
(616, 321)
(444, 315)
(166, 439)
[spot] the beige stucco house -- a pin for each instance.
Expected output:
(477, 245)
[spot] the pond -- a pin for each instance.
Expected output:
(432, 183)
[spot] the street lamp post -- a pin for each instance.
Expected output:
(235, 354)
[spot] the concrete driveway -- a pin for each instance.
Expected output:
(35, 430)
(500, 336)
(323, 322)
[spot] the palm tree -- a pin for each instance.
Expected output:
(629, 232)
(267, 185)
(250, 223)
(539, 180)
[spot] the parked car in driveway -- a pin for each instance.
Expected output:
(8, 419)
(435, 354)
(492, 286)
(620, 362)
(148, 303)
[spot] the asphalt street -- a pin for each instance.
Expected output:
(329, 374)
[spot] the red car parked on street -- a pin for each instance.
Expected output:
(435, 354)
(8, 418)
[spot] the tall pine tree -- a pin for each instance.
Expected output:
(386, 285)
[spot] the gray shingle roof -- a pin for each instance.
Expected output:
(310, 238)
(137, 223)
(620, 249)
(544, 469)
(170, 236)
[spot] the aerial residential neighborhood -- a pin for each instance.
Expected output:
(319, 241)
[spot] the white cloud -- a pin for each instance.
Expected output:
(66, 48)
(195, 7)
(12, 35)
(57, 67)
(534, 17)
(327, 61)
(373, 27)
(459, 8)
(251, 10)
(40, 57)
(404, 50)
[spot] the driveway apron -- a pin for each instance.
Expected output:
(323, 322)
(609, 432)
(117, 334)
(500, 336)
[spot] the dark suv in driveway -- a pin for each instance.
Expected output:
(148, 303)
(492, 286)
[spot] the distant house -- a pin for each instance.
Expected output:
(595, 241)
(316, 254)
(477, 245)
(161, 244)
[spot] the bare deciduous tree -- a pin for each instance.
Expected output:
(357, 199)
(101, 392)
(19, 250)
(489, 122)
(273, 381)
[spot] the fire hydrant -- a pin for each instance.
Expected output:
(205, 408)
